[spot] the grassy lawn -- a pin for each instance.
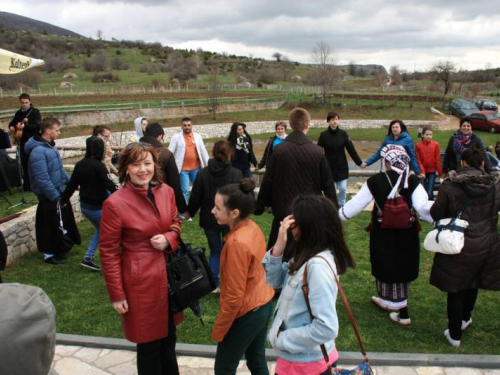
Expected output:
(15, 197)
(83, 306)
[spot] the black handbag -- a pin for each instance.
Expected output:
(189, 277)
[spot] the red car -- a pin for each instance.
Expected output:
(486, 120)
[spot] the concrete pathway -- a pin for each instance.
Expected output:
(77, 360)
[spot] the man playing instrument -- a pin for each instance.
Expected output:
(24, 125)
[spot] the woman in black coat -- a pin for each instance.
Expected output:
(218, 173)
(243, 148)
(460, 141)
(394, 253)
(478, 264)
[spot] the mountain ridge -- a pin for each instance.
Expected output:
(20, 23)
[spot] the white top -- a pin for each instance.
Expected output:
(178, 148)
(419, 198)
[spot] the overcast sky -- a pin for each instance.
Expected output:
(412, 34)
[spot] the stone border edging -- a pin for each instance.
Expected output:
(346, 358)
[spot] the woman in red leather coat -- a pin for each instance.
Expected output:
(139, 228)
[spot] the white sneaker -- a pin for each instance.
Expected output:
(465, 324)
(396, 319)
(455, 343)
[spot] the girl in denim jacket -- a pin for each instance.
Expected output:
(318, 239)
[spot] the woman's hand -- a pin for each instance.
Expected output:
(121, 306)
(279, 246)
(363, 165)
(159, 242)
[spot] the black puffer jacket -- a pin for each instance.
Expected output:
(334, 142)
(478, 264)
(208, 180)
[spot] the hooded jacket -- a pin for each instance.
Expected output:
(209, 179)
(47, 176)
(478, 264)
(138, 128)
(403, 140)
(92, 177)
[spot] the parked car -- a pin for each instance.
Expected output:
(486, 105)
(462, 107)
(486, 120)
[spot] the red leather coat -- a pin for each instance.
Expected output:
(132, 268)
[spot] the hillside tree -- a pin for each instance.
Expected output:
(325, 72)
(214, 91)
(277, 56)
(395, 75)
(443, 71)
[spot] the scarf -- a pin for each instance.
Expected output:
(459, 140)
(243, 144)
(281, 136)
(400, 163)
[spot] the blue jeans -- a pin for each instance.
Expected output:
(428, 183)
(186, 178)
(342, 188)
(246, 172)
(215, 238)
(94, 216)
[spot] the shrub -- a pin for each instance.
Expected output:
(105, 77)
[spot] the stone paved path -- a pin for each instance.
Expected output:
(77, 360)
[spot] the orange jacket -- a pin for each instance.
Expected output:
(428, 156)
(242, 278)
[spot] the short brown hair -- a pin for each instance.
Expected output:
(136, 152)
(48, 123)
(280, 123)
(426, 129)
(223, 151)
(25, 96)
(299, 119)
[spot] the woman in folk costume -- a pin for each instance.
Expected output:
(394, 244)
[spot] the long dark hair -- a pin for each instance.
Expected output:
(320, 229)
(233, 135)
(401, 124)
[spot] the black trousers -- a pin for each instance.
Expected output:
(460, 306)
(25, 167)
(158, 357)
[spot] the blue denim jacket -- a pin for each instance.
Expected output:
(294, 336)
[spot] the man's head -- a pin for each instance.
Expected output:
(50, 128)
(187, 126)
(155, 130)
(299, 119)
(333, 119)
(25, 101)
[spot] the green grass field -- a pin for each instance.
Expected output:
(83, 306)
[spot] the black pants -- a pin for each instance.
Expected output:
(460, 306)
(25, 167)
(158, 357)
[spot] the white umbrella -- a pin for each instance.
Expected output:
(12, 63)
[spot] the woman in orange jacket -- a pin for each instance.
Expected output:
(429, 160)
(245, 298)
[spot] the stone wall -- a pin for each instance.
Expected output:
(258, 127)
(20, 235)
(128, 115)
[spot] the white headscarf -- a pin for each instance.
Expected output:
(138, 128)
(400, 163)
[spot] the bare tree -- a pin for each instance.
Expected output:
(287, 67)
(352, 69)
(214, 92)
(443, 71)
(325, 72)
(395, 75)
(381, 77)
(277, 56)
(99, 34)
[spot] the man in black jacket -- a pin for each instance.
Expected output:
(24, 125)
(297, 166)
(335, 141)
(154, 135)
